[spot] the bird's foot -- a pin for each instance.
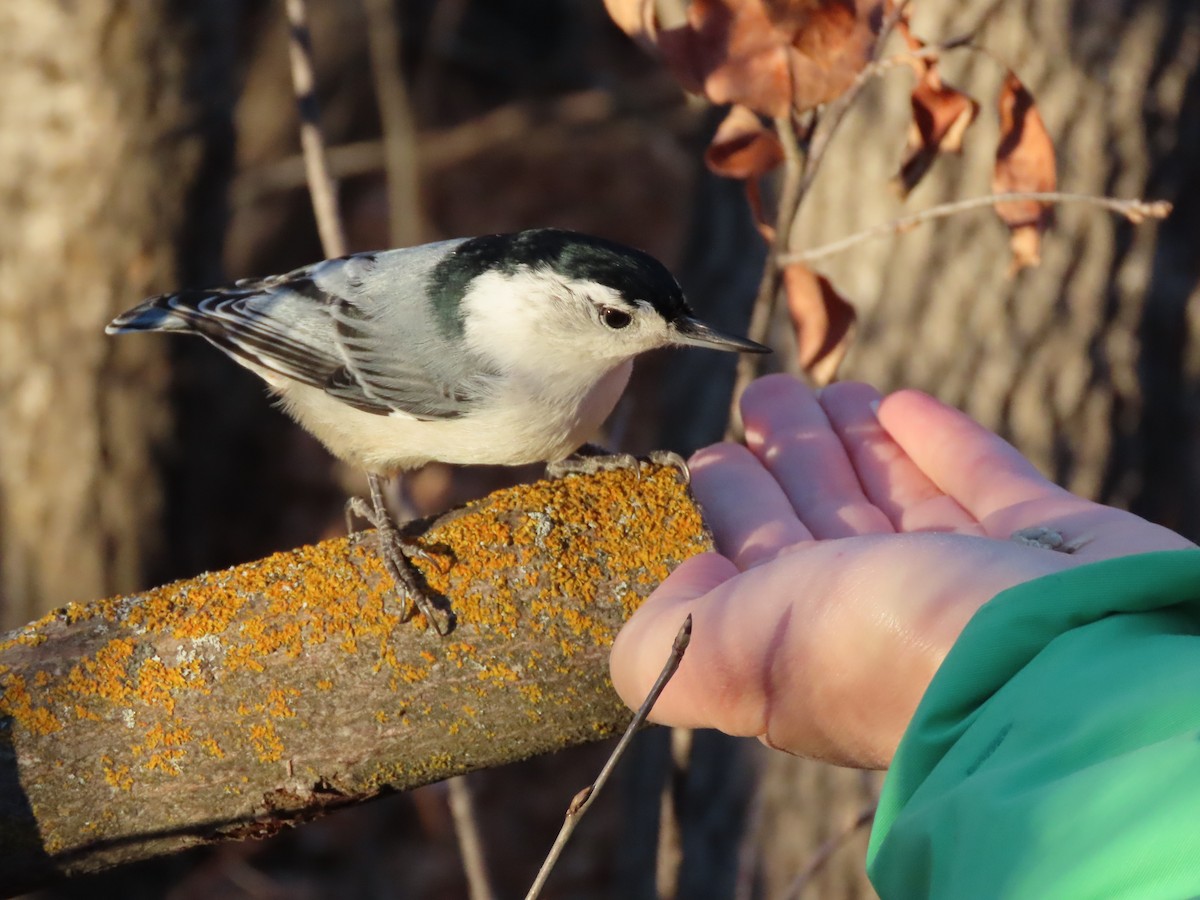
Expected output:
(589, 459)
(397, 553)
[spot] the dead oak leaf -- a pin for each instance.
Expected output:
(745, 148)
(825, 322)
(772, 55)
(1024, 164)
(941, 116)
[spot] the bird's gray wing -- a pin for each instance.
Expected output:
(410, 369)
(394, 351)
(335, 326)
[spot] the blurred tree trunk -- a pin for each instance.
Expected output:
(1088, 363)
(115, 141)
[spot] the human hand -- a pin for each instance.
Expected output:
(856, 545)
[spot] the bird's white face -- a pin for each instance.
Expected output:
(537, 320)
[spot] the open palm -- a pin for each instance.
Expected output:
(857, 536)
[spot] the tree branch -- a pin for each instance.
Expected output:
(231, 704)
(1134, 210)
(320, 182)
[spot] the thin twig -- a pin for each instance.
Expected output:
(540, 125)
(470, 842)
(581, 801)
(763, 312)
(800, 171)
(320, 183)
(1134, 210)
(670, 822)
(825, 852)
(405, 219)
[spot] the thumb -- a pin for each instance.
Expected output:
(644, 644)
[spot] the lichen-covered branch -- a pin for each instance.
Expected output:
(230, 704)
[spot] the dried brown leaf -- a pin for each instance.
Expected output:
(772, 55)
(1024, 163)
(743, 146)
(823, 319)
(941, 116)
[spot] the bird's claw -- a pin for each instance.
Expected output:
(588, 462)
(397, 554)
(671, 459)
(397, 559)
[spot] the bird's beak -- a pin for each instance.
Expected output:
(695, 333)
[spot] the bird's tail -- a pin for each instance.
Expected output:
(163, 313)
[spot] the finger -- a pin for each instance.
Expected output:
(787, 429)
(979, 469)
(889, 478)
(644, 644)
(712, 687)
(750, 516)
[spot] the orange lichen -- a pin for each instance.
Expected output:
(543, 562)
(116, 775)
(165, 761)
(212, 748)
(29, 636)
(266, 742)
(104, 674)
(533, 693)
(277, 702)
(157, 681)
(16, 702)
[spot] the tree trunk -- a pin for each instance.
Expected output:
(1087, 363)
(114, 143)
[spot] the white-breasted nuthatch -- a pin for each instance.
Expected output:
(504, 349)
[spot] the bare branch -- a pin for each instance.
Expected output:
(580, 803)
(800, 171)
(316, 162)
(405, 214)
(536, 125)
(790, 195)
(238, 702)
(670, 824)
(1135, 210)
(470, 841)
(825, 852)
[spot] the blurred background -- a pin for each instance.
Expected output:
(146, 146)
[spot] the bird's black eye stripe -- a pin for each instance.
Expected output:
(615, 318)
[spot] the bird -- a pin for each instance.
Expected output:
(503, 349)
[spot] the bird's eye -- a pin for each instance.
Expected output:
(615, 318)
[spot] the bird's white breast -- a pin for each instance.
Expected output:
(523, 423)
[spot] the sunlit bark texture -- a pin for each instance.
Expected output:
(1088, 362)
(231, 704)
(113, 134)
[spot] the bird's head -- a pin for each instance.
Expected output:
(559, 299)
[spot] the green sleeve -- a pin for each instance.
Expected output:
(1057, 751)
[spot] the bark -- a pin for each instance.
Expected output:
(1087, 363)
(230, 704)
(111, 136)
